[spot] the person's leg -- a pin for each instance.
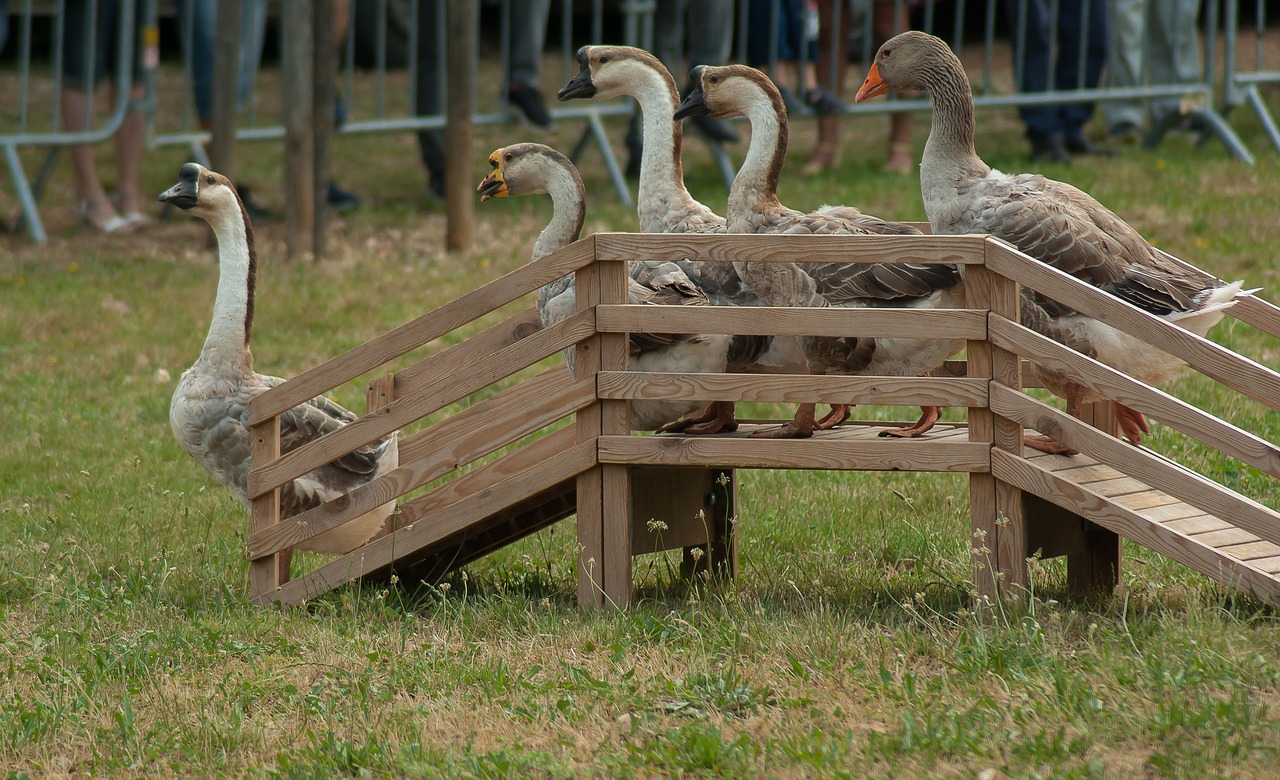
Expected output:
(669, 37)
(887, 22)
(128, 146)
(1124, 63)
(1174, 53)
(1077, 19)
(708, 39)
(427, 100)
(1031, 48)
(528, 33)
(832, 66)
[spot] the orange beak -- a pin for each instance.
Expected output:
(874, 85)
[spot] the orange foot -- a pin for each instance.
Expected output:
(838, 414)
(929, 415)
(1045, 444)
(801, 427)
(1132, 423)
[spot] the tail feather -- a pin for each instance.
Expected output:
(1212, 305)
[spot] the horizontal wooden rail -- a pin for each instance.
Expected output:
(1223, 436)
(775, 247)
(551, 468)
(792, 321)
(473, 433)
(1151, 469)
(828, 453)
(1079, 499)
(420, 331)
(784, 388)
(465, 353)
(432, 397)
(1219, 363)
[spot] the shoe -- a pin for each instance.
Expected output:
(435, 188)
(1083, 145)
(717, 130)
(529, 101)
(1125, 133)
(86, 213)
(823, 103)
(1049, 150)
(341, 200)
(136, 219)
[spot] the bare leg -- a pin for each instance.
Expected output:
(94, 205)
(128, 144)
(929, 416)
(832, 67)
(885, 27)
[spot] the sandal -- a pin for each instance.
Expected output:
(135, 218)
(86, 210)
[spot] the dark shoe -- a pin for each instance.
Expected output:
(823, 102)
(1049, 150)
(435, 188)
(1085, 146)
(1126, 133)
(529, 101)
(717, 130)
(341, 200)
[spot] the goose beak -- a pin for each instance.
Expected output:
(493, 185)
(695, 103)
(579, 86)
(873, 86)
(185, 193)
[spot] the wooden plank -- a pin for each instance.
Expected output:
(1251, 550)
(1007, 436)
(1151, 469)
(1164, 540)
(983, 503)
(587, 425)
(420, 331)
(1145, 499)
(1219, 434)
(1111, 488)
(1235, 371)
(794, 321)
(1225, 537)
(264, 511)
(1198, 524)
(414, 536)
(615, 420)
(1169, 512)
(473, 433)
(959, 250)
(1269, 565)
(794, 388)
(504, 334)
(817, 453)
(430, 398)
(1094, 472)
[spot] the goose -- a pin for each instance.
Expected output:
(209, 410)
(1051, 221)
(533, 169)
(753, 207)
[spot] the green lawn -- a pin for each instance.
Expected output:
(847, 647)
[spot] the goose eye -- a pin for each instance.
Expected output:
(604, 59)
(208, 179)
(886, 54)
(715, 79)
(509, 156)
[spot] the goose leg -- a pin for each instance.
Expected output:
(1075, 407)
(929, 416)
(718, 417)
(1132, 423)
(838, 414)
(800, 427)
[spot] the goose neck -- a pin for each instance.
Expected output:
(232, 325)
(755, 188)
(661, 171)
(568, 213)
(951, 134)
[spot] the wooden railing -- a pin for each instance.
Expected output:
(599, 450)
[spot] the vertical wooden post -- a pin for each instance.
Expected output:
(298, 108)
(324, 78)
(226, 88)
(615, 420)
(1095, 568)
(459, 195)
(264, 573)
(590, 488)
(984, 532)
(1011, 547)
(379, 393)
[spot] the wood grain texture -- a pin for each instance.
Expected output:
(1215, 564)
(429, 454)
(1151, 469)
(432, 397)
(794, 388)
(788, 321)
(816, 453)
(417, 535)
(420, 331)
(264, 511)
(504, 334)
(1219, 363)
(1153, 402)
(959, 250)
(984, 533)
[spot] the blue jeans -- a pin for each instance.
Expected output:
(1031, 36)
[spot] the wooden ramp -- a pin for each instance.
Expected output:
(535, 444)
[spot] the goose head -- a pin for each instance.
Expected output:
(203, 193)
(525, 169)
(611, 71)
(902, 63)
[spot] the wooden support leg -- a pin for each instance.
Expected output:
(616, 519)
(719, 557)
(590, 538)
(1095, 570)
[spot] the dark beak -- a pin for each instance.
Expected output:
(579, 86)
(492, 187)
(695, 103)
(184, 193)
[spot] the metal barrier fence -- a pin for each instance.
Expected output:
(390, 35)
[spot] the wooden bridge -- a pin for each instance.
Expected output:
(567, 448)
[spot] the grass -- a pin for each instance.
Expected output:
(849, 646)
